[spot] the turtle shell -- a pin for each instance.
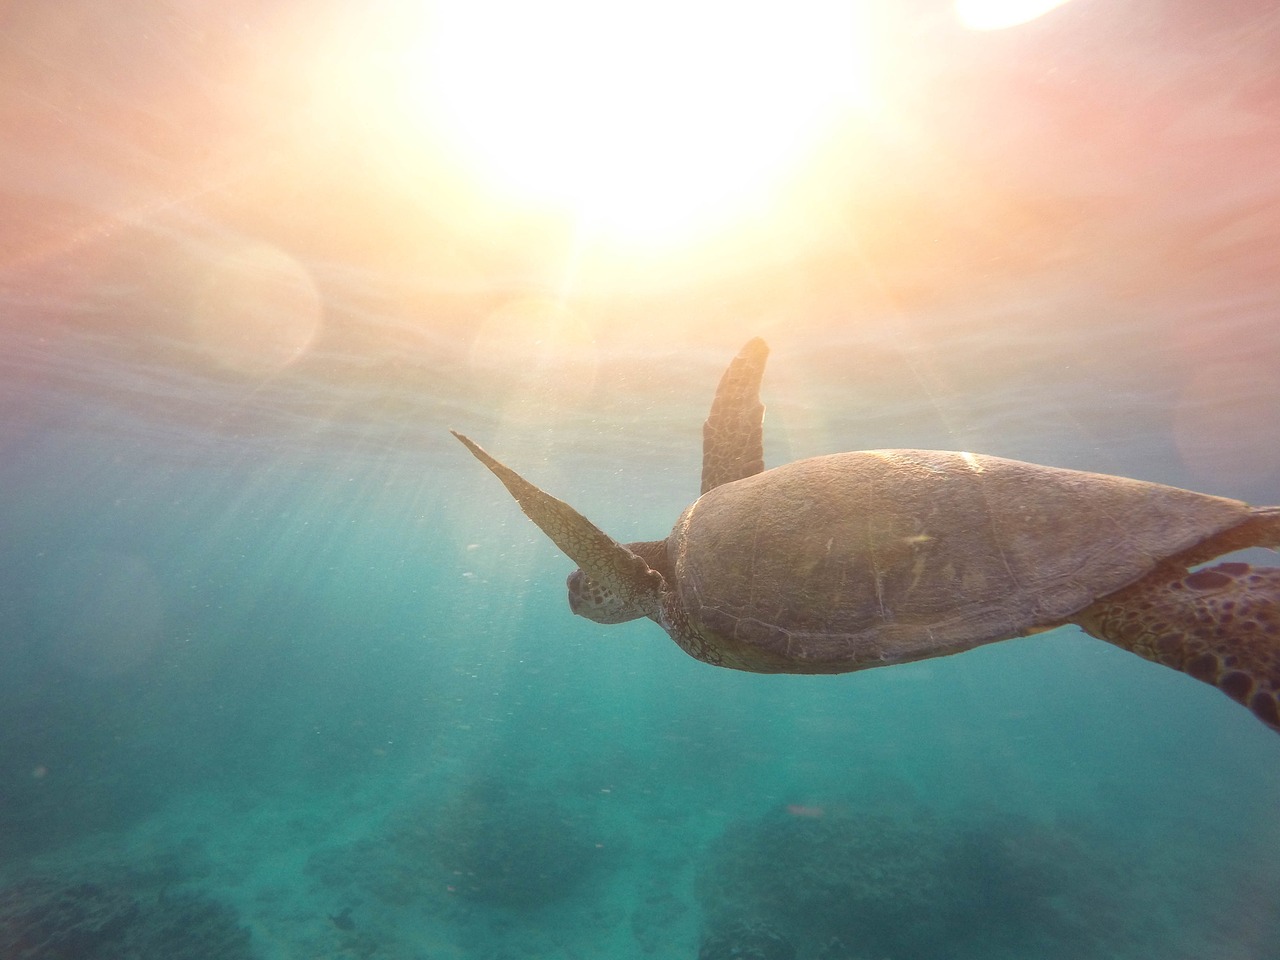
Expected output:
(862, 559)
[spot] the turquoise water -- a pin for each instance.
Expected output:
(285, 674)
(335, 677)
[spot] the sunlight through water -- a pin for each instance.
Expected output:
(539, 354)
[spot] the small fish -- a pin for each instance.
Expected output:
(801, 810)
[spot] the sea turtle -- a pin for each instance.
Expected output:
(855, 560)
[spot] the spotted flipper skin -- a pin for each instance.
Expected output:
(733, 434)
(1220, 624)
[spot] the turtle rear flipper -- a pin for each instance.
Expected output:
(1260, 528)
(1220, 625)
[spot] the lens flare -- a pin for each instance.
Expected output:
(257, 310)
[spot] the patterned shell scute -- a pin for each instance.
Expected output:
(860, 559)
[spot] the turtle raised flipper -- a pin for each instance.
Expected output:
(611, 567)
(1220, 625)
(733, 434)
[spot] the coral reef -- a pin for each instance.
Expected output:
(844, 882)
(46, 919)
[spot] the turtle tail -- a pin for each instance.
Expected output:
(1260, 528)
(1220, 625)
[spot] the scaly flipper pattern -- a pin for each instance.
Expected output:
(1220, 625)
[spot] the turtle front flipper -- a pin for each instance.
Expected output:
(733, 434)
(616, 570)
(1221, 625)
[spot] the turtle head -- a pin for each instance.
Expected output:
(589, 599)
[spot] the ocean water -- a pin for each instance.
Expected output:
(284, 673)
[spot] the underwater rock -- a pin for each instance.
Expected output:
(46, 919)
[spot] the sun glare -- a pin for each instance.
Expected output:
(642, 121)
(999, 14)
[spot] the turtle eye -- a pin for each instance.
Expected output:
(575, 583)
(585, 598)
